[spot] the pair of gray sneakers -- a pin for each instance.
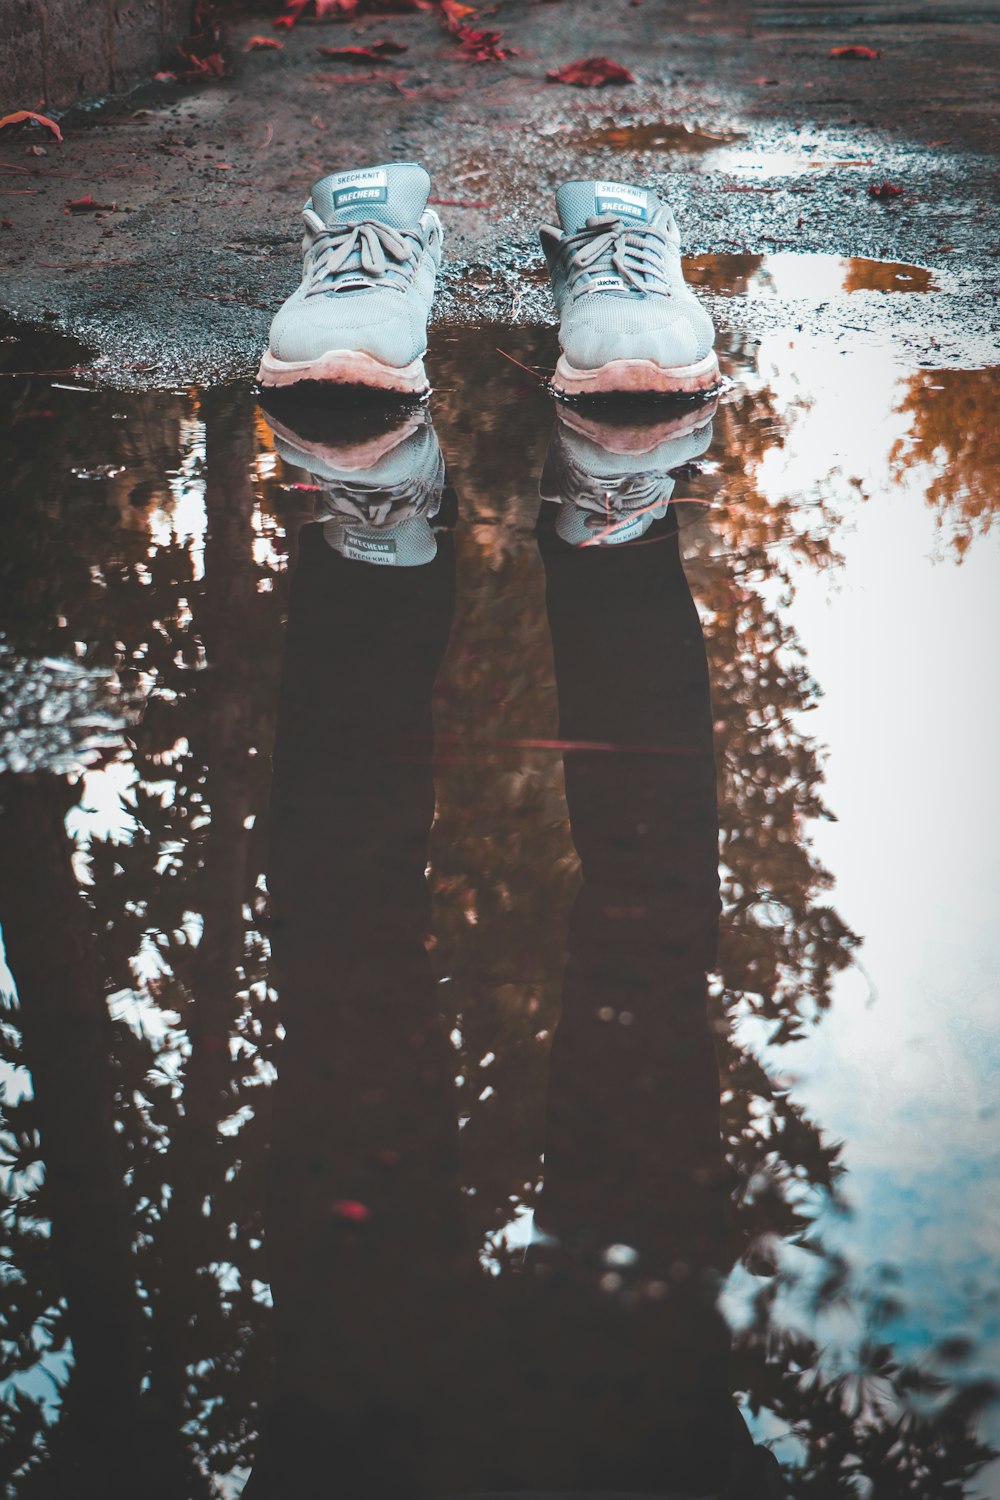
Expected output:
(371, 254)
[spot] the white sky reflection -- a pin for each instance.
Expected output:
(905, 1069)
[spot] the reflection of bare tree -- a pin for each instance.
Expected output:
(67, 1043)
(955, 418)
(169, 918)
(217, 890)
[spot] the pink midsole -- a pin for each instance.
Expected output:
(637, 376)
(345, 367)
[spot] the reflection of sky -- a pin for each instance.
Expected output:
(905, 1067)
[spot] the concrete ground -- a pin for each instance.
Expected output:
(176, 282)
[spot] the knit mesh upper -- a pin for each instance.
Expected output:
(608, 315)
(386, 319)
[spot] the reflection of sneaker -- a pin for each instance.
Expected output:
(371, 253)
(379, 491)
(628, 323)
(612, 480)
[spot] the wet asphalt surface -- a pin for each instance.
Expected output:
(176, 282)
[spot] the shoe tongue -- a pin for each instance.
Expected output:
(394, 194)
(576, 202)
(411, 544)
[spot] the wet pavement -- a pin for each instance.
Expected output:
(761, 141)
(499, 909)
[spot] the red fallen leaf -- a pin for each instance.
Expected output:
(476, 42)
(293, 10)
(259, 43)
(344, 10)
(364, 54)
(591, 73)
(865, 54)
(482, 46)
(86, 205)
(884, 191)
(6, 224)
(164, 77)
(351, 1211)
(20, 115)
(211, 66)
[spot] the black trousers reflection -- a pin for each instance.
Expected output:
(402, 1370)
(364, 1213)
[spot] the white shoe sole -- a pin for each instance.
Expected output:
(637, 377)
(345, 367)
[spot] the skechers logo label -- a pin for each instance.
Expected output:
(381, 550)
(619, 198)
(622, 531)
(361, 187)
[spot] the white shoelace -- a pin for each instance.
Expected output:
(369, 253)
(619, 496)
(379, 506)
(608, 246)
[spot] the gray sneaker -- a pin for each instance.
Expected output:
(379, 491)
(628, 323)
(613, 479)
(371, 254)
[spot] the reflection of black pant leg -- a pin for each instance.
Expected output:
(364, 1207)
(632, 1141)
(353, 791)
(632, 674)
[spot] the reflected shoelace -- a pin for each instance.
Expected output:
(606, 496)
(381, 507)
(383, 256)
(606, 244)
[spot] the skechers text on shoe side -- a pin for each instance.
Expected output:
(371, 254)
(627, 321)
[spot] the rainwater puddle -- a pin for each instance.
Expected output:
(761, 165)
(789, 275)
(722, 150)
(661, 135)
(796, 274)
(359, 1091)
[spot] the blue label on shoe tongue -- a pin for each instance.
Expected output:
(354, 189)
(620, 199)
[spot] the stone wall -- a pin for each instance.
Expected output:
(63, 50)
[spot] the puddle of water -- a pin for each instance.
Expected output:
(793, 275)
(800, 275)
(507, 645)
(660, 135)
(763, 165)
